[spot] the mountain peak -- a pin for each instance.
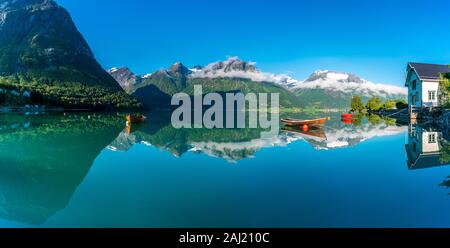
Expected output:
(119, 69)
(232, 64)
(43, 28)
(234, 67)
(125, 77)
(341, 77)
(178, 69)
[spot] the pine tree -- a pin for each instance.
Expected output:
(357, 104)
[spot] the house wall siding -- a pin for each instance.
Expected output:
(430, 142)
(417, 92)
(426, 88)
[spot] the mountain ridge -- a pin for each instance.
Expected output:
(322, 89)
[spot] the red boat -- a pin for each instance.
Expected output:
(347, 116)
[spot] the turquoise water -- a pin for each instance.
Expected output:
(86, 170)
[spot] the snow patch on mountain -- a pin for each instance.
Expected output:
(349, 83)
(125, 77)
(337, 76)
(114, 69)
(234, 67)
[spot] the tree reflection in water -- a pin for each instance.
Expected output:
(44, 159)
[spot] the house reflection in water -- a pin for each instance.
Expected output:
(425, 147)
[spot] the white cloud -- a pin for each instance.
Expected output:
(342, 82)
(368, 88)
(222, 70)
(335, 81)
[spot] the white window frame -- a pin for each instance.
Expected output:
(431, 95)
(432, 139)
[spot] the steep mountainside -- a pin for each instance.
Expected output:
(41, 50)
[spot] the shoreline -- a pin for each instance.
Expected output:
(44, 109)
(20, 109)
(442, 120)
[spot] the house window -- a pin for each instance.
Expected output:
(413, 100)
(414, 85)
(432, 95)
(432, 139)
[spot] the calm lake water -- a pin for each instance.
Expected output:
(87, 170)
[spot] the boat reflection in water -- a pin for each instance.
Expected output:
(315, 133)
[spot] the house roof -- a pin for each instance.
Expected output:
(425, 161)
(429, 71)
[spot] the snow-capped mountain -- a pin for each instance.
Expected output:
(323, 89)
(346, 83)
(329, 89)
(125, 77)
(234, 67)
(350, 84)
(155, 91)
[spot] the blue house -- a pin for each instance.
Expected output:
(423, 84)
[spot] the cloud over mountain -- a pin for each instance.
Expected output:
(234, 67)
(323, 89)
(349, 83)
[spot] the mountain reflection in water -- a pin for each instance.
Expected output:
(237, 144)
(45, 158)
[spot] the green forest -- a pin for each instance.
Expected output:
(376, 104)
(65, 94)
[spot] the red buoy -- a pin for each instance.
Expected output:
(347, 116)
(305, 128)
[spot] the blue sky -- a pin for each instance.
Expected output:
(373, 39)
